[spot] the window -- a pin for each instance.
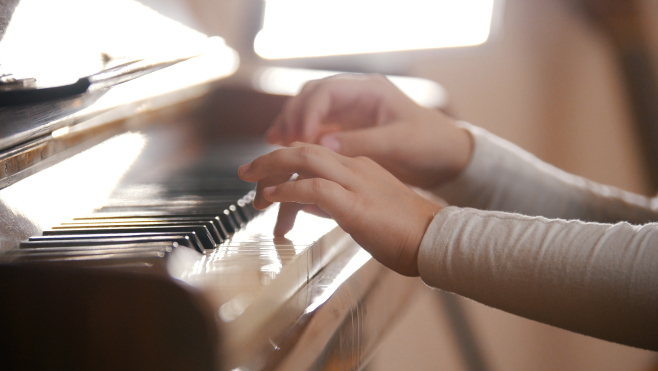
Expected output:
(306, 28)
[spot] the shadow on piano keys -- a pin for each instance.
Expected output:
(142, 252)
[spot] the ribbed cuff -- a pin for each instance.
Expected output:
(473, 186)
(433, 253)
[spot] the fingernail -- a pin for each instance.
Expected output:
(331, 142)
(244, 168)
(269, 190)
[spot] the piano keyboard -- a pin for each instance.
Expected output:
(136, 240)
(200, 206)
(275, 303)
(198, 226)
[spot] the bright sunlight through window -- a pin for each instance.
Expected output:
(306, 28)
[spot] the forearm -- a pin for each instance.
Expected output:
(595, 279)
(502, 176)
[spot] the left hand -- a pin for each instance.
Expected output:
(381, 213)
(366, 115)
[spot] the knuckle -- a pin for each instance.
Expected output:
(378, 78)
(308, 154)
(318, 186)
(272, 156)
(363, 160)
(255, 166)
(385, 84)
(320, 93)
(308, 87)
(354, 213)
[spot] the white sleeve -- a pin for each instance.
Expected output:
(502, 176)
(596, 279)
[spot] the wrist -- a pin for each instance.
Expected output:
(462, 151)
(427, 211)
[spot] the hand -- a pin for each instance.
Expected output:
(381, 213)
(366, 115)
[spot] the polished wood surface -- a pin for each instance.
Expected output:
(82, 319)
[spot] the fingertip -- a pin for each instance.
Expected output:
(298, 144)
(331, 141)
(288, 136)
(285, 220)
(268, 191)
(281, 228)
(273, 136)
(310, 128)
(244, 169)
(261, 204)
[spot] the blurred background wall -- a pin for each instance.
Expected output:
(547, 80)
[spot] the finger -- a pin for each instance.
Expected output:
(311, 208)
(286, 218)
(352, 100)
(336, 156)
(289, 121)
(288, 211)
(327, 195)
(275, 133)
(371, 142)
(315, 210)
(261, 203)
(291, 113)
(316, 108)
(305, 114)
(305, 159)
(327, 128)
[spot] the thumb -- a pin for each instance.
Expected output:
(371, 142)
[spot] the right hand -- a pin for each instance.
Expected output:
(381, 213)
(366, 115)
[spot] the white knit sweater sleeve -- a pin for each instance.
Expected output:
(502, 176)
(593, 278)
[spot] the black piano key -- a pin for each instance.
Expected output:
(143, 261)
(252, 209)
(87, 251)
(65, 234)
(187, 201)
(210, 221)
(245, 212)
(144, 218)
(201, 232)
(191, 208)
(239, 219)
(210, 226)
(229, 220)
(228, 217)
(42, 242)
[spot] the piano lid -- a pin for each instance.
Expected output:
(54, 44)
(47, 43)
(58, 42)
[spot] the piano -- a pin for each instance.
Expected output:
(127, 240)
